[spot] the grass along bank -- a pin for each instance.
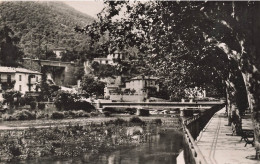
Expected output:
(77, 140)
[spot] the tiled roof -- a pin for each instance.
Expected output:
(7, 69)
(14, 70)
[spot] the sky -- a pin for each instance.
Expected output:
(91, 8)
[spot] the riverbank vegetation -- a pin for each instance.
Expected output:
(76, 140)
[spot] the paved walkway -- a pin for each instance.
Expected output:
(218, 146)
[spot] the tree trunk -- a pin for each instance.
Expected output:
(253, 101)
(228, 106)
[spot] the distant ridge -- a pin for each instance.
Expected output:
(43, 26)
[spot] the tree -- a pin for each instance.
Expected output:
(10, 53)
(186, 38)
(10, 96)
(47, 89)
(50, 55)
(92, 86)
(79, 72)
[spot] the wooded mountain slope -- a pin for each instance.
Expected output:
(42, 26)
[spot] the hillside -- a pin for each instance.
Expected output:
(43, 26)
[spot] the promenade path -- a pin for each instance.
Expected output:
(219, 146)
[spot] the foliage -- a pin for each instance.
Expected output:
(41, 106)
(118, 122)
(157, 121)
(119, 110)
(19, 115)
(193, 44)
(10, 96)
(10, 53)
(69, 101)
(43, 26)
(136, 120)
(47, 89)
(107, 114)
(79, 72)
(33, 105)
(8, 85)
(104, 70)
(49, 55)
(92, 86)
(131, 110)
(57, 115)
(165, 37)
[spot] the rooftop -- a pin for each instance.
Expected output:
(14, 70)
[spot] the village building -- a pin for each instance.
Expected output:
(113, 85)
(143, 84)
(19, 79)
(111, 59)
(136, 89)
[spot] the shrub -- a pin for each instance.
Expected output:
(109, 109)
(57, 115)
(8, 117)
(40, 115)
(41, 106)
(19, 115)
(117, 110)
(157, 121)
(80, 113)
(131, 111)
(143, 112)
(136, 120)
(22, 101)
(14, 150)
(93, 114)
(117, 121)
(33, 105)
(83, 105)
(28, 100)
(107, 114)
(68, 101)
(24, 115)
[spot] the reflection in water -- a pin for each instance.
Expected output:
(160, 149)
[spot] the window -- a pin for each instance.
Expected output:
(20, 77)
(20, 87)
(9, 78)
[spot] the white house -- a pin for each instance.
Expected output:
(19, 79)
(142, 84)
(111, 59)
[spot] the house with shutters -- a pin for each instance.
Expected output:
(19, 79)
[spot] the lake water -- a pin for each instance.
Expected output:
(160, 149)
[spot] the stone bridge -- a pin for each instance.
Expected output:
(183, 106)
(207, 104)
